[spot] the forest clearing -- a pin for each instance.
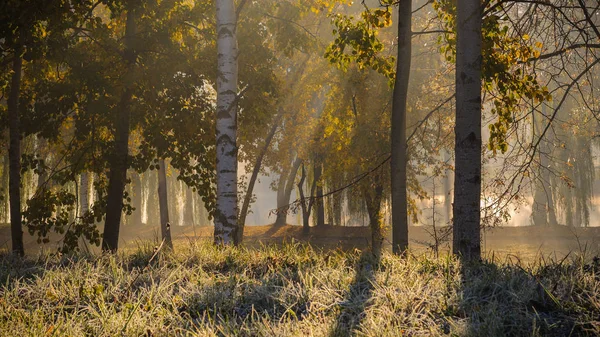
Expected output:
(299, 168)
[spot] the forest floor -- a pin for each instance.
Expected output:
(293, 289)
(527, 243)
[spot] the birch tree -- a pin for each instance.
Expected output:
(226, 126)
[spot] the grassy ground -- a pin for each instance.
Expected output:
(293, 290)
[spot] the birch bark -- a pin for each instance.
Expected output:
(226, 126)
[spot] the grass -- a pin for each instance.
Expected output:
(293, 290)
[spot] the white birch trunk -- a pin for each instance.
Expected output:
(467, 183)
(226, 206)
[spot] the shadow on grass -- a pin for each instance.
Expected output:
(357, 298)
(508, 300)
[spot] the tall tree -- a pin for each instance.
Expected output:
(467, 183)
(255, 171)
(399, 157)
(284, 191)
(14, 152)
(163, 201)
(226, 124)
(120, 152)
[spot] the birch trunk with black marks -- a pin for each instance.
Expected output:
(163, 201)
(14, 154)
(399, 157)
(467, 183)
(284, 193)
(255, 171)
(119, 158)
(226, 130)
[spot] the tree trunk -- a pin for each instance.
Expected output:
(373, 202)
(84, 193)
(467, 183)
(119, 159)
(306, 208)
(303, 205)
(547, 148)
(539, 213)
(14, 154)
(163, 201)
(4, 184)
(283, 199)
(399, 158)
(226, 131)
(242, 219)
(320, 207)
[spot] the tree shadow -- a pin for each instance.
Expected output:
(505, 299)
(356, 300)
(273, 230)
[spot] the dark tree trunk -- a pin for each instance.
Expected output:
(467, 183)
(373, 203)
(283, 199)
(119, 158)
(320, 207)
(306, 205)
(14, 154)
(303, 203)
(4, 185)
(399, 158)
(165, 226)
(239, 235)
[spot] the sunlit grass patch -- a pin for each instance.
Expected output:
(293, 290)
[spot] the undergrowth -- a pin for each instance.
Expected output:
(293, 290)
